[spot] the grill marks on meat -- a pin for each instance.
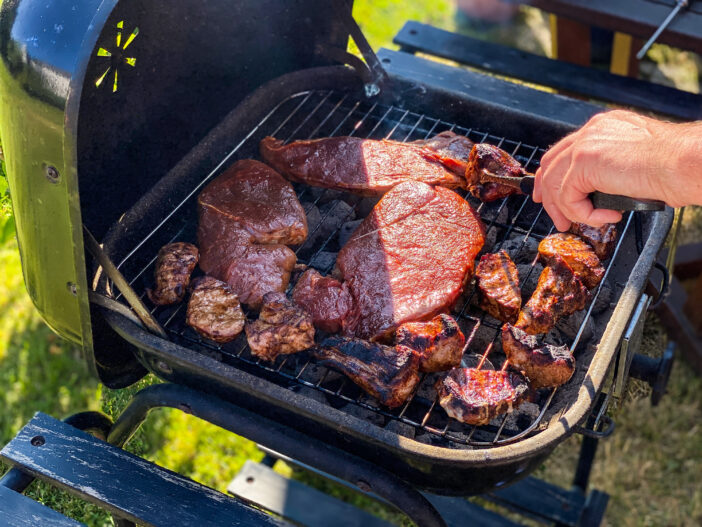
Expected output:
(390, 374)
(281, 328)
(559, 292)
(602, 239)
(488, 158)
(476, 397)
(498, 281)
(409, 259)
(579, 256)
(174, 265)
(245, 216)
(326, 299)
(439, 342)
(214, 310)
(368, 167)
(545, 365)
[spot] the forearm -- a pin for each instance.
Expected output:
(684, 177)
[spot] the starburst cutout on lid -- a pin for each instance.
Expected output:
(117, 57)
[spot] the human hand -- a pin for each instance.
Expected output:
(617, 152)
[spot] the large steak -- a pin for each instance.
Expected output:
(409, 259)
(368, 166)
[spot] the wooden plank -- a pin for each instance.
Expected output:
(459, 512)
(295, 501)
(571, 78)
(17, 510)
(121, 482)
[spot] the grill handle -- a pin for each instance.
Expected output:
(654, 371)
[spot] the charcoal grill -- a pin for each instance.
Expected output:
(150, 104)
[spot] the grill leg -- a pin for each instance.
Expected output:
(585, 460)
(279, 438)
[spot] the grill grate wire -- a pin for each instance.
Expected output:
(372, 121)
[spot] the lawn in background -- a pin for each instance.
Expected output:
(652, 466)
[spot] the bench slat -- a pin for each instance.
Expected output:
(17, 510)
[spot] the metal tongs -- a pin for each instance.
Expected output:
(600, 200)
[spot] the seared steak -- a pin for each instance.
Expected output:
(476, 397)
(410, 258)
(602, 239)
(558, 293)
(439, 342)
(545, 365)
(579, 256)
(327, 300)
(366, 166)
(488, 158)
(246, 207)
(498, 282)
(452, 149)
(387, 373)
(281, 329)
(214, 310)
(174, 265)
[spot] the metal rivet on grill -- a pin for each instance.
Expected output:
(164, 367)
(52, 174)
(386, 60)
(37, 441)
(250, 479)
(72, 288)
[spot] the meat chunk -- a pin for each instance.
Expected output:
(546, 366)
(498, 282)
(327, 300)
(281, 329)
(488, 158)
(245, 217)
(558, 293)
(439, 342)
(390, 374)
(452, 149)
(174, 265)
(364, 166)
(602, 239)
(214, 310)
(476, 397)
(579, 256)
(410, 258)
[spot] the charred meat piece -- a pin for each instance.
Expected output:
(558, 293)
(327, 300)
(245, 217)
(439, 342)
(281, 329)
(390, 374)
(451, 149)
(491, 159)
(476, 397)
(367, 167)
(579, 256)
(602, 239)
(498, 281)
(174, 265)
(546, 366)
(214, 310)
(410, 258)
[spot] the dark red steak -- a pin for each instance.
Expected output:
(366, 166)
(498, 281)
(214, 310)
(327, 300)
(451, 149)
(486, 157)
(438, 342)
(174, 265)
(410, 258)
(602, 239)
(579, 256)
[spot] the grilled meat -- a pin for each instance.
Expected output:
(476, 397)
(439, 342)
(327, 300)
(577, 254)
(390, 374)
(602, 239)
(281, 329)
(367, 166)
(558, 293)
(498, 281)
(488, 158)
(545, 365)
(452, 149)
(245, 217)
(214, 310)
(174, 265)
(409, 259)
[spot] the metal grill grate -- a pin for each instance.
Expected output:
(326, 113)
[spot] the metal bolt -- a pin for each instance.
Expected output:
(164, 367)
(52, 174)
(37, 441)
(72, 288)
